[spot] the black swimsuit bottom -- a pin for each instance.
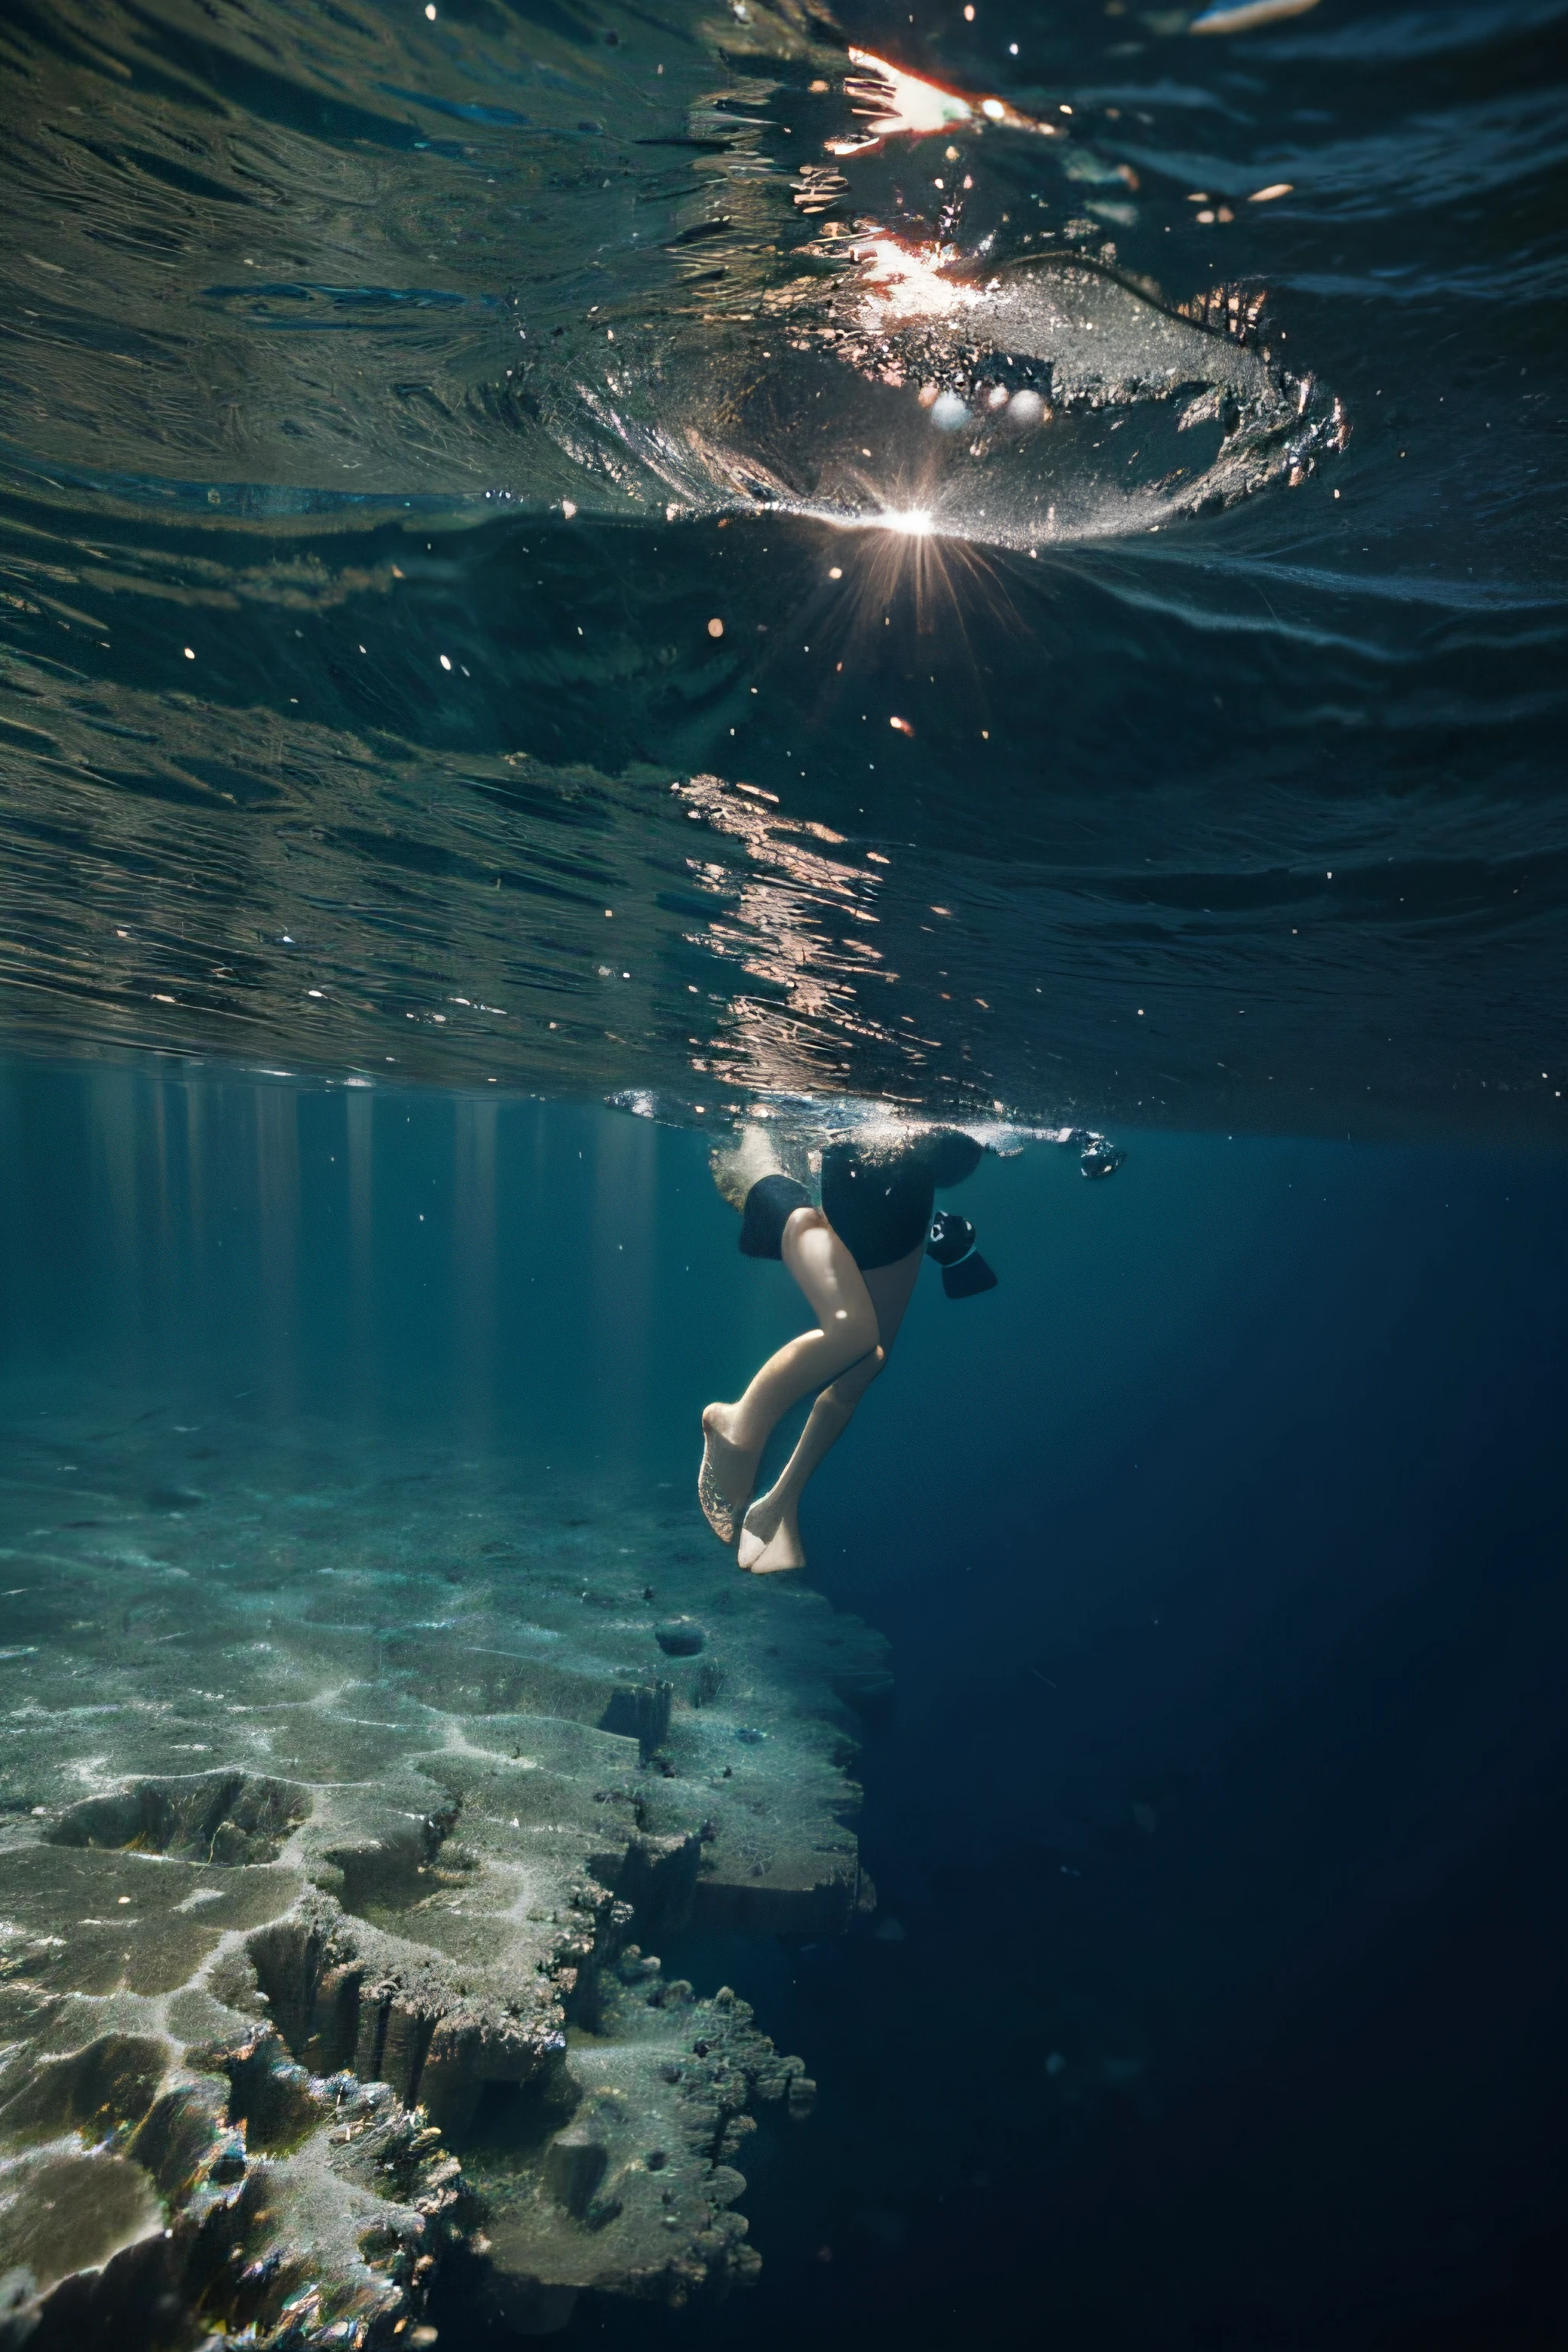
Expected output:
(879, 1201)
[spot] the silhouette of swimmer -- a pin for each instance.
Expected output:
(855, 1256)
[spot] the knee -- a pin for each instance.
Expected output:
(851, 1385)
(853, 1331)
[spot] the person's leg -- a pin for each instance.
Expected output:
(770, 1533)
(733, 1435)
(770, 1536)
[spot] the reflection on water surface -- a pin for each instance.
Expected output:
(373, 383)
(796, 573)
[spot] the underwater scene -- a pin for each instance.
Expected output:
(590, 1747)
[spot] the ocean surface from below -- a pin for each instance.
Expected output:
(366, 711)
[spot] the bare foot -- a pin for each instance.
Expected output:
(729, 1473)
(769, 1537)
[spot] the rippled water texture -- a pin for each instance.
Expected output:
(596, 549)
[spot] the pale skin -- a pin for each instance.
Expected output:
(857, 1318)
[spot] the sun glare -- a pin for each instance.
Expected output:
(892, 102)
(897, 284)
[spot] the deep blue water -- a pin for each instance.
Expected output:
(1220, 1552)
(506, 605)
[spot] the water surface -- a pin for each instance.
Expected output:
(559, 551)
(351, 734)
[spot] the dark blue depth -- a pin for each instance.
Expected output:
(1212, 2001)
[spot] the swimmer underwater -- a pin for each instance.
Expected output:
(855, 1256)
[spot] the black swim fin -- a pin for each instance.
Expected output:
(969, 1277)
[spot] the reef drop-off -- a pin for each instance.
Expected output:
(345, 1795)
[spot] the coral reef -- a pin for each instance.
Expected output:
(342, 1795)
